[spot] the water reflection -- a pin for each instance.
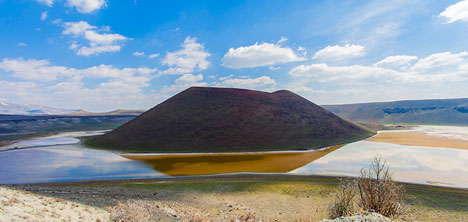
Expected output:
(416, 164)
(217, 163)
(67, 162)
(409, 163)
(57, 139)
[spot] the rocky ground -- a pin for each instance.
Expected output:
(17, 205)
(229, 198)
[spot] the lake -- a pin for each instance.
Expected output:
(62, 158)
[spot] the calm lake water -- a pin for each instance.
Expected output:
(62, 158)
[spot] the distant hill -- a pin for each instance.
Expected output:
(15, 109)
(436, 111)
(202, 119)
(117, 112)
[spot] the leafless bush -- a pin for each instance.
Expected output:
(196, 217)
(129, 212)
(245, 217)
(343, 204)
(377, 189)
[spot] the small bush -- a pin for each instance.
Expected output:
(129, 212)
(378, 191)
(245, 217)
(343, 204)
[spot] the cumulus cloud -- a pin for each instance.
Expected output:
(32, 69)
(184, 82)
(97, 40)
(152, 56)
(339, 52)
(444, 66)
(43, 15)
(440, 62)
(323, 72)
(193, 56)
(46, 2)
(117, 87)
(86, 6)
(398, 61)
(139, 54)
(264, 54)
(261, 82)
(456, 12)
(22, 44)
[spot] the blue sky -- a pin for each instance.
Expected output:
(101, 55)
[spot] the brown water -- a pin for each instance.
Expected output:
(216, 163)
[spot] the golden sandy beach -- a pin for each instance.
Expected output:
(418, 139)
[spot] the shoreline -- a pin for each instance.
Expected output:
(233, 177)
(418, 138)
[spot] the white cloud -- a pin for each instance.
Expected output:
(46, 2)
(43, 15)
(22, 44)
(98, 42)
(265, 54)
(139, 54)
(398, 61)
(376, 24)
(261, 82)
(444, 66)
(456, 12)
(32, 69)
(117, 88)
(152, 56)
(273, 68)
(282, 39)
(339, 52)
(93, 50)
(184, 82)
(323, 72)
(438, 61)
(191, 57)
(76, 28)
(86, 6)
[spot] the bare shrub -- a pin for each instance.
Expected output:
(245, 217)
(378, 191)
(343, 204)
(129, 212)
(196, 217)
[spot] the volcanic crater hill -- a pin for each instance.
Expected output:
(204, 119)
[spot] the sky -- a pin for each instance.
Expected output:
(101, 55)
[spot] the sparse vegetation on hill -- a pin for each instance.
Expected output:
(203, 119)
(436, 111)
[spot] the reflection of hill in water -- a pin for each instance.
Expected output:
(215, 163)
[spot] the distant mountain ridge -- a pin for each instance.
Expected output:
(16, 109)
(33, 110)
(204, 119)
(433, 111)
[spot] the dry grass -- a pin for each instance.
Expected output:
(131, 211)
(378, 191)
(343, 203)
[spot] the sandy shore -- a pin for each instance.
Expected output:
(418, 139)
(19, 205)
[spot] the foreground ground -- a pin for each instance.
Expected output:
(225, 198)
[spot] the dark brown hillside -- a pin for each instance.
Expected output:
(202, 119)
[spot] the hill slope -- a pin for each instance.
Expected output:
(437, 111)
(203, 119)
